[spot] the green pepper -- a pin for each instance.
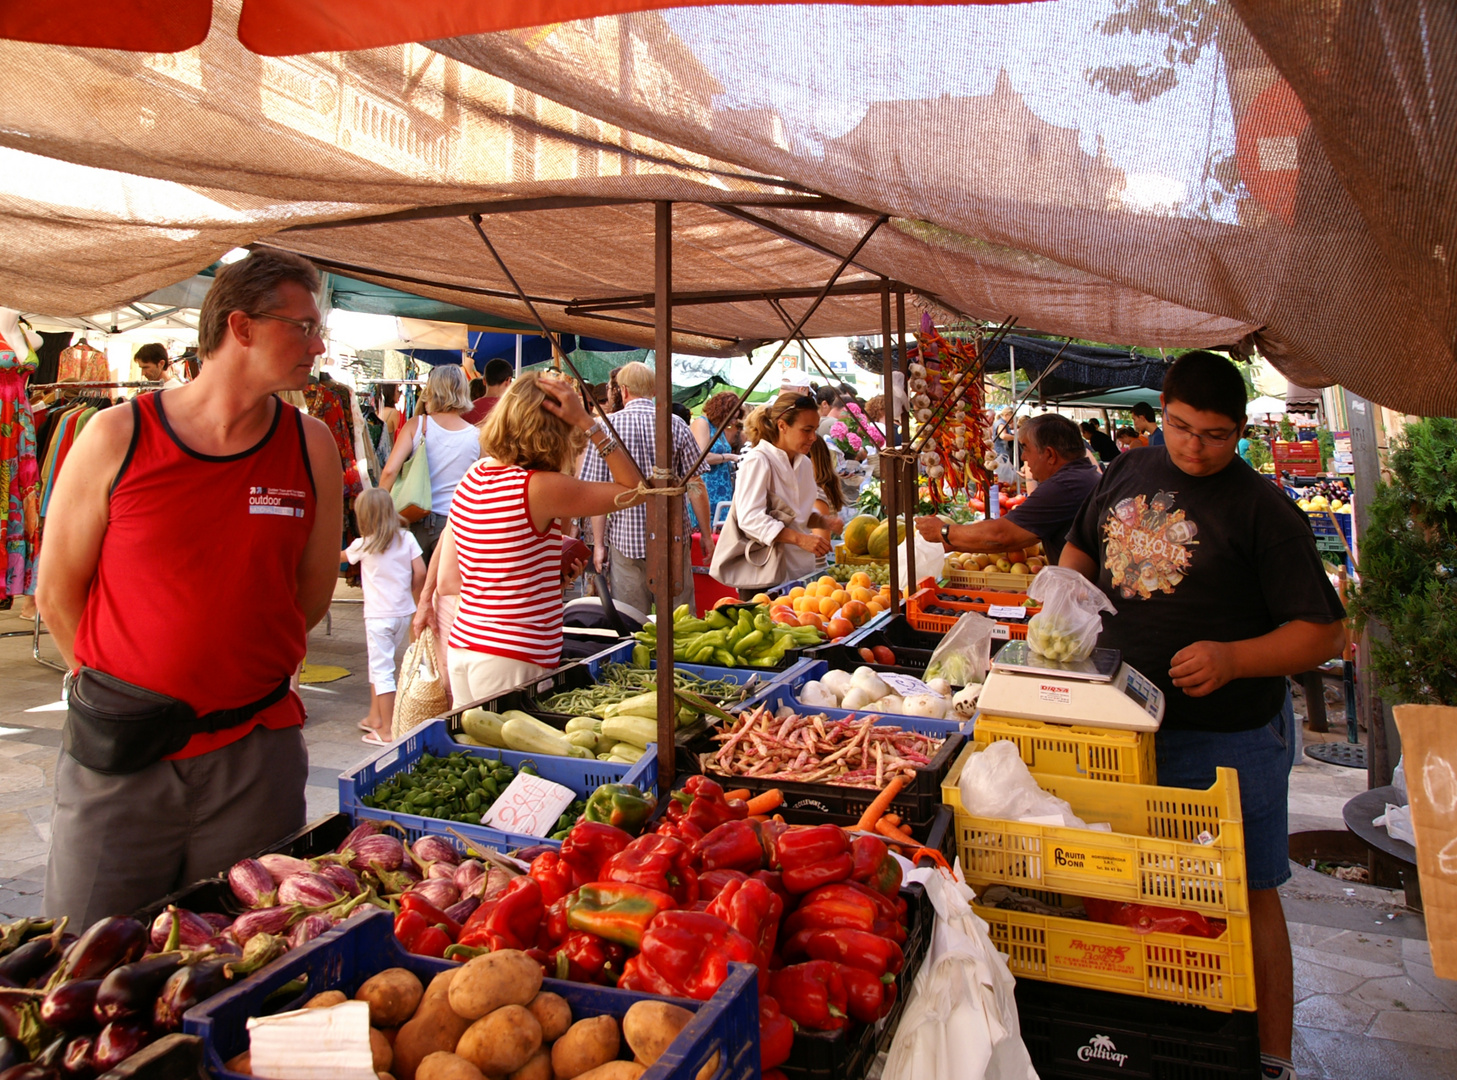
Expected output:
(725, 658)
(717, 619)
(763, 623)
(640, 656)
(624, 806)
(748, 643)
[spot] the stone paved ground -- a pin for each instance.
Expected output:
(1368, 1004)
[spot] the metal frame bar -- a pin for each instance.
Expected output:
(665, 513)
(727, 296)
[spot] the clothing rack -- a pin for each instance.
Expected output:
(93, 385)
(34, 634)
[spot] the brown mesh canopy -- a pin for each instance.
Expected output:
(1144, 172)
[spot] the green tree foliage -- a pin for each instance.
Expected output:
(1409, 568)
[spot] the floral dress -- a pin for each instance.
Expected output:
(719, 479)
(19, 472)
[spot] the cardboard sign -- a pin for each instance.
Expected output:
(529, 806)
(313, 1044)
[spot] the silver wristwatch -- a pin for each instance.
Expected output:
(946, 533)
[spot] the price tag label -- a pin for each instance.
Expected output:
(1007, 611)
(529, 806)
(904, 685)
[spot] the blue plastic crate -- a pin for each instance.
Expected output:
(583, 777)
(766, 677)
(343, 958)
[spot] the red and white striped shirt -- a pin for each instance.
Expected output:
(511, 584)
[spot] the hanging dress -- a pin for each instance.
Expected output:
(19, 472)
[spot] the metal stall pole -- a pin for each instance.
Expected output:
(890, 477)
(911, 488)
(664, 538)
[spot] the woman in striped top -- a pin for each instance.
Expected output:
(502, 549)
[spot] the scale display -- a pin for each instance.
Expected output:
(1101, 691)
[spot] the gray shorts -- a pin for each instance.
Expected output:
(119, 843)
(630, 581)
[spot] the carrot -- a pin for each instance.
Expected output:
(895, 832)
(876, 810)
(769, 800)
(917, 851)
(743, 794)
(894, 819)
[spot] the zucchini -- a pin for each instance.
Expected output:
(587, 739)
(528, 735)
(626, 754)
(484, 727)
(584, 723)
(637, 730)
(642, 705)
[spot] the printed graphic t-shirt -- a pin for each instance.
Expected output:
(1200, 558)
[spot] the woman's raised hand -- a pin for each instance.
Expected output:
(563, 402)
(815, 544)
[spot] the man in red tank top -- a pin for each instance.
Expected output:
(243, 493)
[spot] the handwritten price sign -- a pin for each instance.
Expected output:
(529, 806)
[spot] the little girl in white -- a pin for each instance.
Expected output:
(391, 576)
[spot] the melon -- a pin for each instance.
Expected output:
(879, 545)
(857, 533)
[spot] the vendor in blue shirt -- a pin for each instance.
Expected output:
(1052, 448)
(1146, 423)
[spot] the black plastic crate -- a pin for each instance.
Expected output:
(848, 1053)
(844, 657)
(897, 632)
(318, 837)
(1074, 1033)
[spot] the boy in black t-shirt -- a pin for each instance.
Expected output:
(1220, 595)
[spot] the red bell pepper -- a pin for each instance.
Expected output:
(875, 867)
(686, 954)
(555, 876)
(511, 921)
(812, 857)
(812, 995)
(655, 862)
(554, 928)
(616, 911)
(776, 1035)
(589, 845)
(853, 948)
(702, 802)
(849, 911)
(734, 845)
(433, 941)
(711, 883)
(774, 1074)
(679, 829)
(587, 958)
(753, 910)
(775, 880)
(868, 997)
(419, 936)
(433, 915)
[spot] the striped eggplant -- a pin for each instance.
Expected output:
(341, 876)
(261, 950)
(187, 987)
(281, 867)
(272, 920)
(377, 852)
(224, 945)
(131, 990)
(106, 944)
(118, 1041)
(308, 928)
(217, 920)
(253, 884)
(309, 889)
(360, 831)
(440, 894)
(435, 849)
(440, 871)
(193, 930)
(466, 873)
(69, 1006)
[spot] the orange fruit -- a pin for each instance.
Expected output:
(723, 600)
(856, 612)
(785, 616)
(760, 598)
(861, 579)
(809, 618)
(831, 582)
(840, 596)
(798, 603)
(796, 592)
(838, 628)
(875, 607)
(828, 606)
(862, 594)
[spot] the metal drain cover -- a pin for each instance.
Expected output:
(1349, 755)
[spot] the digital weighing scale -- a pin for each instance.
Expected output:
(1101, 691)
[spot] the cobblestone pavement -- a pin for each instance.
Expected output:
(1367, 1001)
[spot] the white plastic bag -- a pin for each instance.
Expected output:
(996, 783)
(960, 1020)
(930, 561)
(965, 653)
(1067, 627)
(1397, 820)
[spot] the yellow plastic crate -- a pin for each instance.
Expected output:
(1156, 854)
(844, 558)
(1124, 757)
(1217, 973)
(988, 579)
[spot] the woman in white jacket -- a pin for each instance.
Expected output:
(778, 463)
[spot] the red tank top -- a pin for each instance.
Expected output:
(196, 588)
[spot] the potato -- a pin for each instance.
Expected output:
(483, 985)
(439, 987)
(434, 1028)
(651, 1026)
(379, 1046)
(446, 1066)
(393, 996)
(615, 1070)
(553, 1014)
(501, 1042)
(390, 1034)
(586, 1045)
(327, 1000)
(243, 1063)
(538, 1068)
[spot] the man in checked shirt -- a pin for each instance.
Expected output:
(622, 536)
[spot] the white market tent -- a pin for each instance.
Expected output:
(1265, 406)
(1272, 174)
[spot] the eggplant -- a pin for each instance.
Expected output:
(377, 852)
(217, 920)
(343, 877)
(193, 930)
(118, 1041)
(440, 871)
(462, 910)
(51, 1055)
(261, 950)
(76, 1061)
(282, 867)
(252, 884)
(107, 944)
(188, 986)
(359, 832)
(12, 1053)
(309, 889)
(26, 963)
(69, 1006)
(435, 849)
(131, 990)
(14, 934)
(440, 894)
(30, 1071)
(273, 920)
(466, 874)
(308, 928)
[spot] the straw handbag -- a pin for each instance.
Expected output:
(421, 693)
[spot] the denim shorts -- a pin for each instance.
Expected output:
(1263, 757)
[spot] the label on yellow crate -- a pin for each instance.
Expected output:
(1078, 951)
(1095, 862)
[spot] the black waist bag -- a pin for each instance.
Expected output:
(114, 727)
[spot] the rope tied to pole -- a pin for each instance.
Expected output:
(628, 498)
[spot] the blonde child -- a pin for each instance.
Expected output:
(391, 577)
